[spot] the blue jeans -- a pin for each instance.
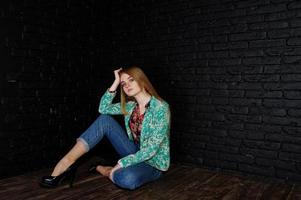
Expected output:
(129, 177)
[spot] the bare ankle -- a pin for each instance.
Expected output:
(61, 166)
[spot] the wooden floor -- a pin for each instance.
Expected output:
(180, 182)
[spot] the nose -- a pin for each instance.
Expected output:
(126, 85)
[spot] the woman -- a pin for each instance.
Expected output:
(144, 148)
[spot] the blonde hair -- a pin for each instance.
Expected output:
(142, 81)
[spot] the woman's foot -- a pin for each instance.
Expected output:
(104, 170)
(61, 166)
(54, 181)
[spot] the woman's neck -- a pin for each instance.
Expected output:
(142, 98)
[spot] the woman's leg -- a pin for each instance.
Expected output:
(135, 176)
(77, 151)
(104, 125)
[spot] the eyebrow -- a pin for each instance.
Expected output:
(127, 78)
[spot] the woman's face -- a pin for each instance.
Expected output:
(129, 85)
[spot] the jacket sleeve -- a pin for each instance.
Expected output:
(159, 131)
(106, 106)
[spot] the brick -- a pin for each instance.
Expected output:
(245, 102)
(267, 43)
(296, 23)
(259, 153)
(292, 103)
(218, 54)
(248, 36)
(292, 94)
(269, 25)
(273, 86)
(278, 164)
(237, 158)
(290, 156)
(277, 51)
(295, 32)
(254, 135)
(243, 118)
(294, 5)
(236, 134)
(281, 15)
(294, 112)
(293, 51)
(234, 13)
(270, 8)
(294, 41)
(266, 60)
(275, 34)
(246, 53)
(262, 78)
(232, 45)
(214, 116)
(223, 148)
(291, 148)
(291, 86)
(261, 94)
(290, 68)
(236, 93)
(247, 19)
(279, 120)
(227, 125)
(249, 3)
(240, 110)
(253, 169)
(228, 165)
(262, 144)
(291, 59)
(245, 85)
(288, 175)
(224, 62)
(267, 111)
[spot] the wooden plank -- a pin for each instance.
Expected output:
(181, 182)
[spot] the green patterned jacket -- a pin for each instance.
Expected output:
(154, 138)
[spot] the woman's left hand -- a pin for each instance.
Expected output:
(113, 170)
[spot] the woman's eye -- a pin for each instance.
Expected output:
(131, 80)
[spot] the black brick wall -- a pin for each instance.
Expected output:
(231, 72)
(53, 55)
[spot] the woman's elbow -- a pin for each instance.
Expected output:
(101, 110)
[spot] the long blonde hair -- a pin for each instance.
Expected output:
(142, 81)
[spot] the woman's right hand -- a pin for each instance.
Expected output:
(117, 76)
(116, 82)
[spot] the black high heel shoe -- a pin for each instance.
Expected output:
(54, 181)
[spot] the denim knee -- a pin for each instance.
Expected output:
(125, 179)
(91, 135)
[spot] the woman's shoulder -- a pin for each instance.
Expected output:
(159, 103)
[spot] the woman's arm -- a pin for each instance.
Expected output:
(116, 82)
(106, 106)
(158, 134)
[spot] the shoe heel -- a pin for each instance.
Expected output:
(54, 181)
(72, 178)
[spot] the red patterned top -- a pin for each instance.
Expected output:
(135, 122)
